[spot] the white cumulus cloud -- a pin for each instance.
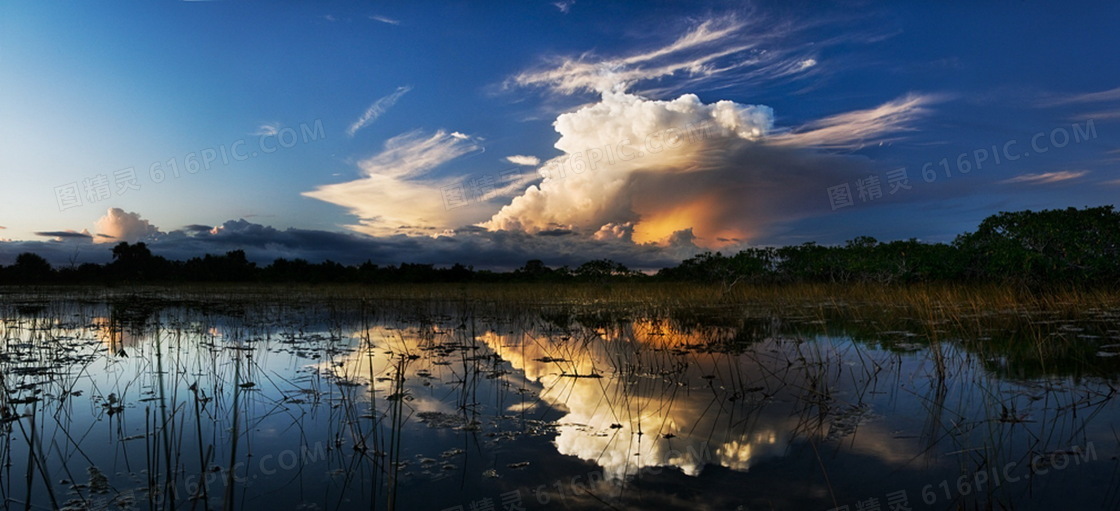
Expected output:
(118, 225)
(714, 174)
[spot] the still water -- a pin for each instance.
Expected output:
(146, 402)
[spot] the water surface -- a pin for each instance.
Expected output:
(146, 401)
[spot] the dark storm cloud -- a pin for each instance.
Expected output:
(63, 234)
(500, 250)
(556, 232)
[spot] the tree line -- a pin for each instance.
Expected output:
(1051, 247)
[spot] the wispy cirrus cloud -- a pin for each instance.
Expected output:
(377, 109)
(268, 129)
(1046, 177)
(528, 161)
(396, 192)
(852, 130)
(1095, 105)
(385, 19)
(1102, 114)
(1082, 98)
(412, 154)
(726, 46)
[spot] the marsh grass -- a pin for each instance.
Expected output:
(947, 301)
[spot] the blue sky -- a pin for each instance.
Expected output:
(391, 132)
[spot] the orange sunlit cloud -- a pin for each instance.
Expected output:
(699, 215)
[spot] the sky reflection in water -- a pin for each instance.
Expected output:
(544, 408)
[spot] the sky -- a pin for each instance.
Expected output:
(490, 133)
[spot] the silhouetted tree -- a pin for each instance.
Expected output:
(136, 262)
(601, 270)
(231, 267)
(30, 268)
(534, 270)
(1050, 246)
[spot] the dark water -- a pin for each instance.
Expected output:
(133, 402)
